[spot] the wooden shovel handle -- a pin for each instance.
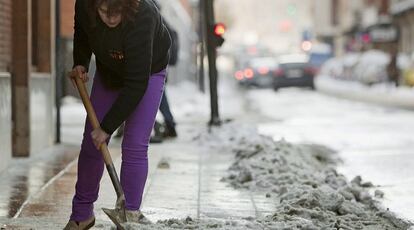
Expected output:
(92, 117)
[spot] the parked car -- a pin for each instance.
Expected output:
(372, 67)
(318, 55)
(293, 70)
(258, 72)
(369, 67)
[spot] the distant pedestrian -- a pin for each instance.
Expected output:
(392, 69)
(167, 130)
(131, 45)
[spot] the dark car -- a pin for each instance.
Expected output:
(294, 70)
(258, 72)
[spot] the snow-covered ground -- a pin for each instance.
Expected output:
(368, 67)
(296, 169)
(384, 93)
(364, 77)
(374, 142)
(301, 181)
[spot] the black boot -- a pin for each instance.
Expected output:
(170, 131)
(156, 139)
(158, 133)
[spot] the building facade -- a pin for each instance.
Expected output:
(5, 82)
(355, 25)
(403, 13)
(26, 77)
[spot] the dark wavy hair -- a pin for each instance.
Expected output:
(127, 8)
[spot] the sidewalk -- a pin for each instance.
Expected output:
(186, 183)
(189, 187)
(25, 178)
(287, 185)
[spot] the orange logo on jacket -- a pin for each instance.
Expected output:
(117, 55)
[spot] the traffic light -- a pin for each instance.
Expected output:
(218, 31)
(291, 10)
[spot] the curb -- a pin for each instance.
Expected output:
(356, 91)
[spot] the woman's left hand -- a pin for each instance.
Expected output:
(99, 137)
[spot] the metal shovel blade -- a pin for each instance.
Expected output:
(117, 215)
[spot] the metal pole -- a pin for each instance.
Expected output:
(212, 55)
(58, 81)
(201, 35)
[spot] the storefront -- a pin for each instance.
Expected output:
(403, 12)
(384, 37)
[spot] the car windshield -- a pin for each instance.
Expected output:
(294, 59)
(263, 62)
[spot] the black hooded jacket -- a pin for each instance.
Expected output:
(126, 55)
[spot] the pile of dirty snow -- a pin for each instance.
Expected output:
(169, 224)
(301, 180)
(190, 223)
(311, 194)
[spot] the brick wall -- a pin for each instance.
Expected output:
(67, 10)
(5, 34)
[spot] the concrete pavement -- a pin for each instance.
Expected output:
(186, 183)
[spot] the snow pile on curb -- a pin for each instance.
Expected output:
(305, 188)
(311, 193)
(384, 94)
(369, 67)
(170, 224)
(189, 223)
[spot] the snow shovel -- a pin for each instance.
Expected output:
(116, 215)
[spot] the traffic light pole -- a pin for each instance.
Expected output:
(209, 22)
(58, 72)
(201, 35)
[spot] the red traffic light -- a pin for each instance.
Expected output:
(219, 29)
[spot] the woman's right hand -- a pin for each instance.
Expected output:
(78, 72)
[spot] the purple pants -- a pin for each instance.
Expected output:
(134, 168)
